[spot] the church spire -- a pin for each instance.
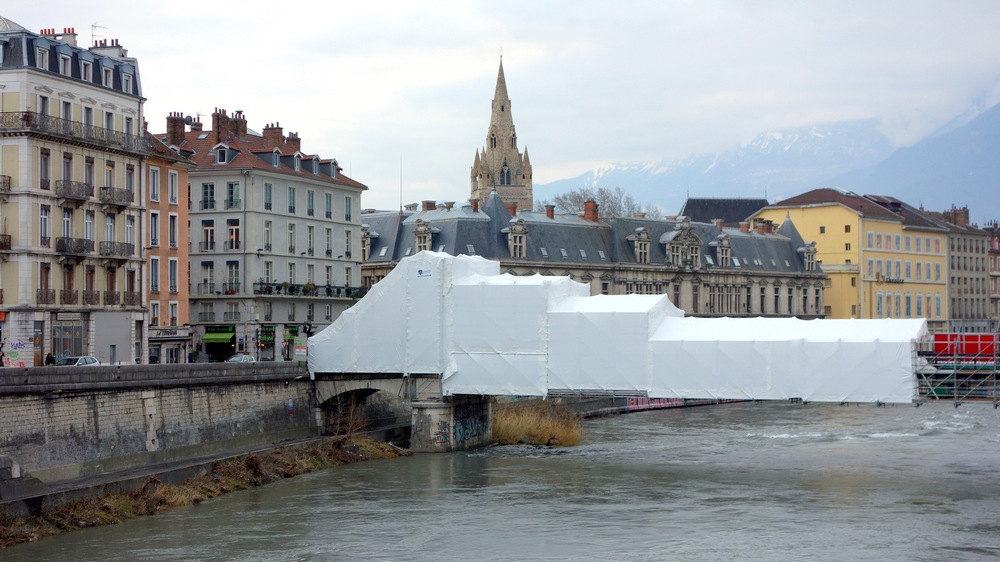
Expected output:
(501, 119)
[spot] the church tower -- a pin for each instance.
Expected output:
(499, 166)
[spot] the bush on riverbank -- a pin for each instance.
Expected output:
(536, 422)
(229, 475)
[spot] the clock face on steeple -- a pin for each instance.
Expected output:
(499, 166)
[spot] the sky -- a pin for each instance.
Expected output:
(399, 92)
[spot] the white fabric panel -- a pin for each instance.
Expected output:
(500, 334)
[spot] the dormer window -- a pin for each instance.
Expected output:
(42, 58)
(423, 236)
(724, 252)
(516, 237)
(65, 65)
(315, 165)
(108, 76)
(297, 163)
(640, 244)
(86, 71)
(127, 83)
(276, 158)
(221, 155)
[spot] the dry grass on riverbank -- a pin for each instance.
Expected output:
(237, 473)
(536, 422)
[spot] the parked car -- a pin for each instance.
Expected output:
(241, 358)
(77, 361)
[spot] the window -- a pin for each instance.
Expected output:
(917, 241)
(43, 225)
(291, 312)
(310, 273)
(154, 314)
(130, 230)
(43, 168)
(233, 241)
(154, 228)
(347, 243)
(233, 195)
(328, 312)
(267, 236)
(42, 58)
(267, 196)
(172, 230)
(67, 223)
(127, 83)
(641, 251)
(154, 184)
(871, 239)
(268, 272)
(109, 174)
(207, 196)
(109, 227)
(291, 238)
(291, 199)
(329, 242)
(87, 71)
(221, 155)
(65, 65)
(847, 247)
(173, 279)
(130, 180)
(310, 239)
(108, 76)
(347, 208)
(329, 275)
(154, 274)
(822, 230)
(847, 228)
(328, 204)
(172, 186)
(310, 199)
(88, 225)
(109, 120)
(291, 273)
(43, 105)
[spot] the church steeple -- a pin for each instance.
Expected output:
(500, 167)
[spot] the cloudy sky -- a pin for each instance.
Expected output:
(399, 92)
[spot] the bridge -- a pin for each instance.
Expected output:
(456, 319)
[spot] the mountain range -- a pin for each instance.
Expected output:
(958, 165)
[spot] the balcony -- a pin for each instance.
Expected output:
(4, 185)
(116, 196)
(154, 321)
(267, 317)
(91, 298)
(267, 205)
(206, 316)
(291, 249)
(24, 121)
(307, 290)
(46, 296)
(329, 253)
(154, 287)
(75, 191)
(230, 288)
(80, 247)
(205, 288)
(232, 204)
(329, 214)
(291, 209)
(207, 204)
(309, 212)
(208, 246)
(154, 242)
(310, 251)
(117, 250)
(232, 245)
(45, 241)
(133, 298)
(5, 242)
(69, 296)
(231, 316)
(112, 298)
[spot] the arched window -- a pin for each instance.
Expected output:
(505, 174)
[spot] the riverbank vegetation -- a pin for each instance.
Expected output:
(229, 475)
(536, 422)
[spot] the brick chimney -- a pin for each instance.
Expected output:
(293, 142)
(512, 208)
(175, 128)
(220, 124)
(195, 125)
(590, 210)
(958, 216)
(550, 211)
(239, 124)
(718, 224)
(273, 136)
(428, 205)
(744, 227)
(475, 205)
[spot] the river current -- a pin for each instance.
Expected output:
(765, 481)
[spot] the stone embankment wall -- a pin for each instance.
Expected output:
(61, 423)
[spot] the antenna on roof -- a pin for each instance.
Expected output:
(93, 36)
(400, 184)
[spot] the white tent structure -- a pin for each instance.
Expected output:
(492, 334)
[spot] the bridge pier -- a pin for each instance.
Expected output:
(452, 424)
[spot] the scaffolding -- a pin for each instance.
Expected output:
(959, 367)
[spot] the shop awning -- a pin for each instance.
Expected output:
(226, 337)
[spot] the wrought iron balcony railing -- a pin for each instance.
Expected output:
(205, 288)
(117, 249)
(76, 246)
(15, 121)
(133, 298)
(92, 298)
(206, 246)
(4, 184)
(207, 204)
(232, 203)
(231, 316)
(112, 298)
(206, 317)
(78, 190)
(46, 296)
(5, 242)
(69, 296)
(230, 288)
(117, 196)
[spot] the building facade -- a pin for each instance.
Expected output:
(968, 271)
(705, 269)
(166, 250)
(499, 166)
(274, 234)
(993, 231)
(885, 259)
(71, 198)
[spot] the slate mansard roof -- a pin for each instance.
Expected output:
(730, 210)
(573, 240)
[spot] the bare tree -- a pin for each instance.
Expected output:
(611, 202)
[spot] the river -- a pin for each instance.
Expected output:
(765, 481)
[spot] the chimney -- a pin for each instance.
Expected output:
(239, 124)
(273, 136)
(410, 207)
(638, 215)
(196, 125)
(718, 224)
(429, 205)
(475, 205)
(449, 204)
(590, 210)
(550, 211)
(512, 208)
(220, 124)
(293, 142)
(175, 128)
(744, 227)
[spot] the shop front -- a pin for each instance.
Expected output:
(218, 342)
(169, 344)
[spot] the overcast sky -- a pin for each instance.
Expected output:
(400, 92)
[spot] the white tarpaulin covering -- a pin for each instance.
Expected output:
(493, 334)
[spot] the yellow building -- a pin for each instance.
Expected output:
(885, 259)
